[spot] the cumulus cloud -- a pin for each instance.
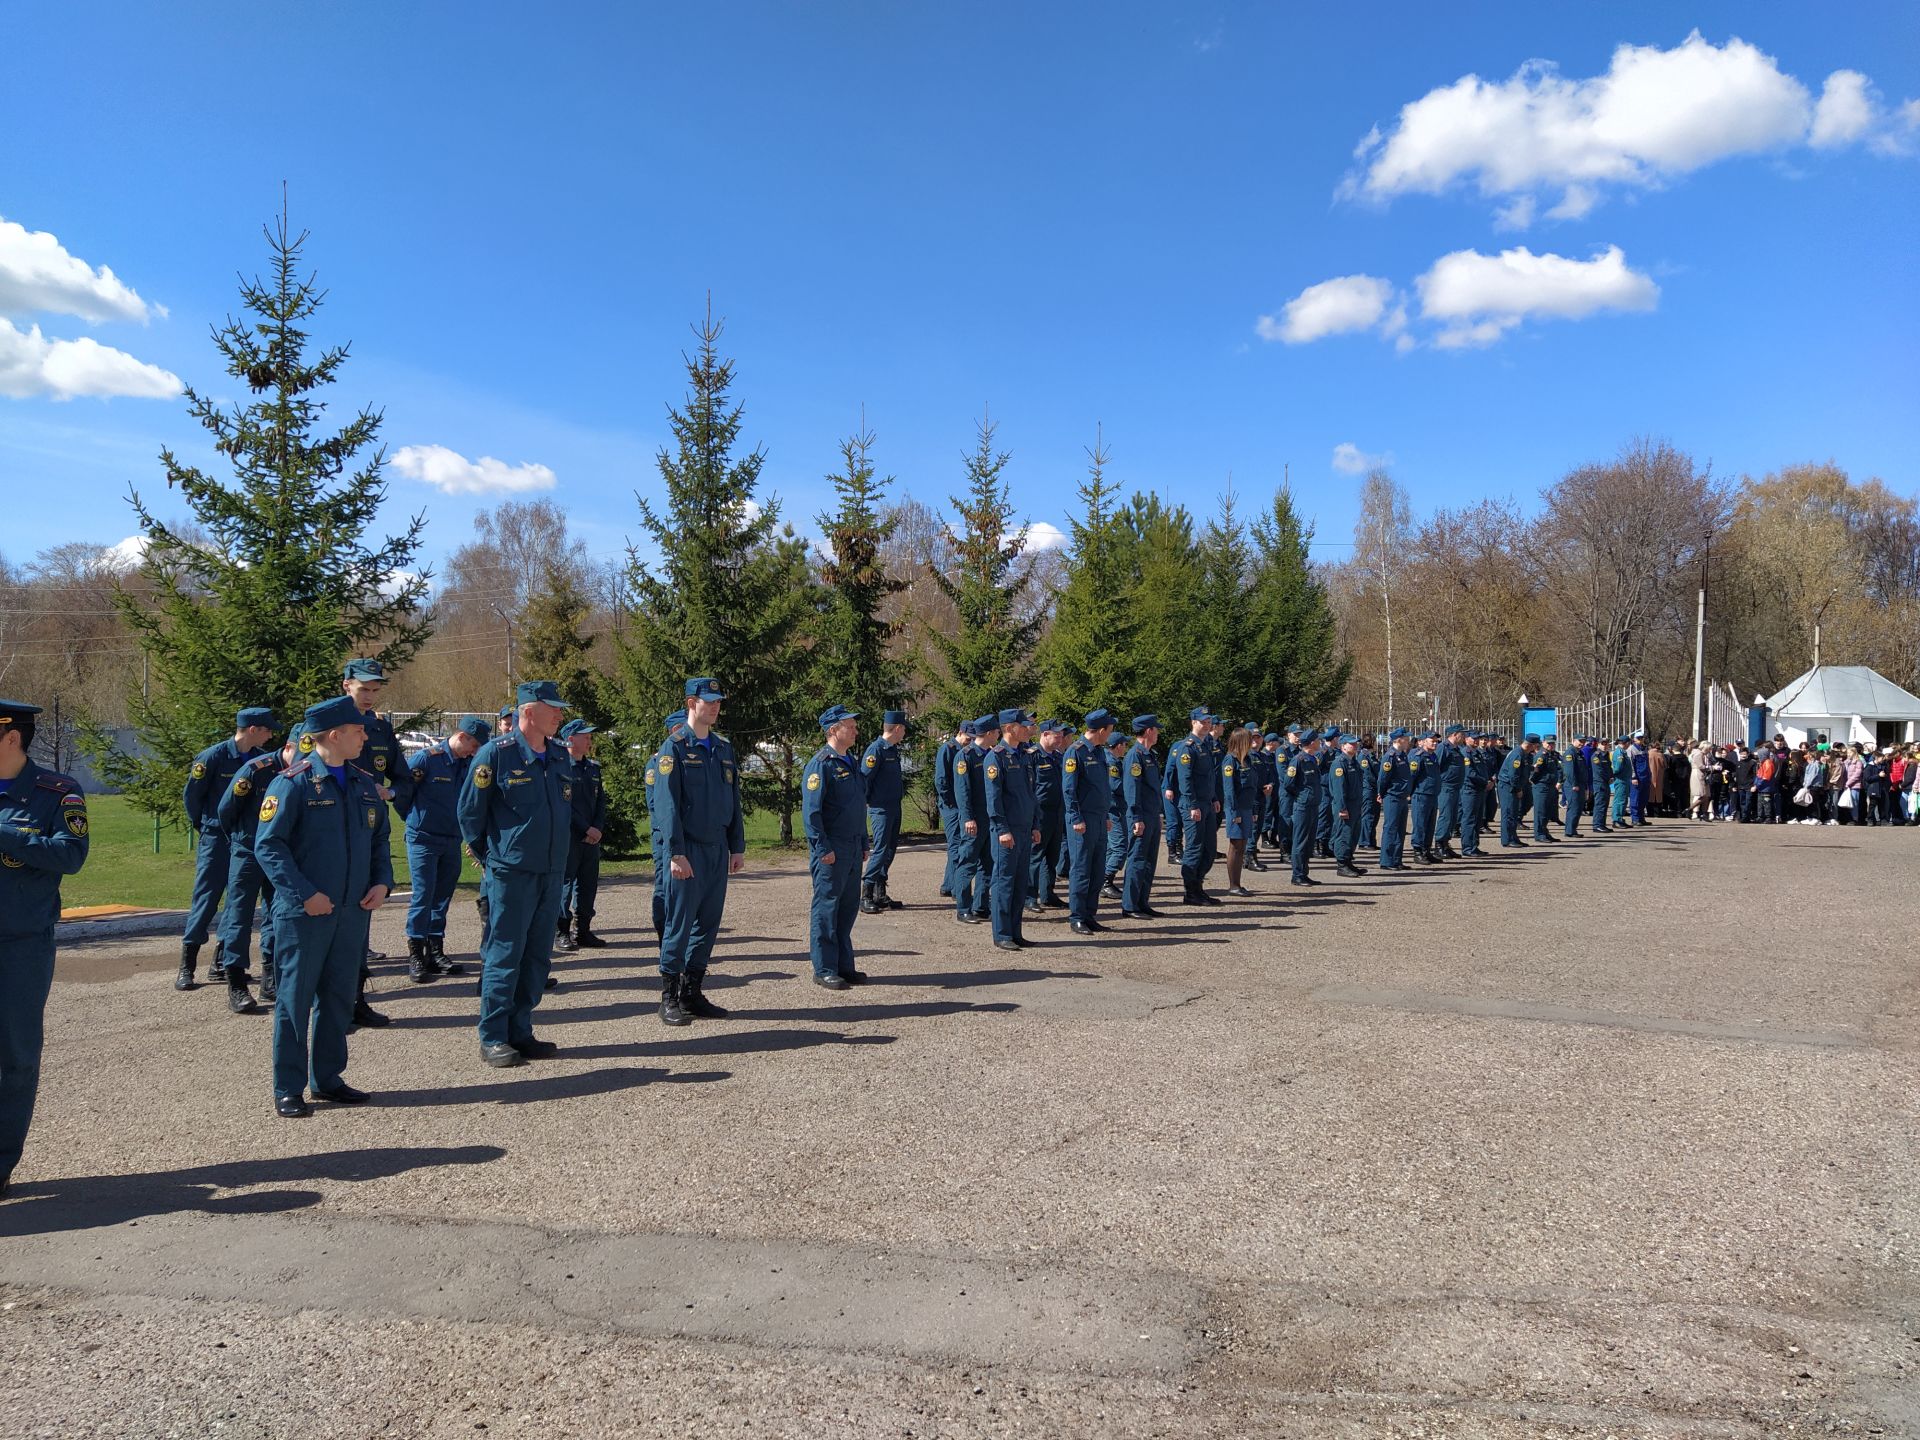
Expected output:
(1350, 459)
(1653, 115)
(1478, 298)
(1042, 535)
(1333, 307)
(33, 366)
(38, 276)
(453, 474)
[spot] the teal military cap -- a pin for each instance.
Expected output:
(539, 692)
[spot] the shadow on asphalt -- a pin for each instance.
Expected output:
(723, 1042)
(963, 979)
(86, 1202)
(551, 1087)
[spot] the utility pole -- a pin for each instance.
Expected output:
(508, 619)
(1700, 638)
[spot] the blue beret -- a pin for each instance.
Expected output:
(703, 687)
(473, 725)
(893, 717)
(1096, 718)
(364, 670)
(577, 727)
(984, 724)
(834, 714)
(255, 715)
(1015, 716)
(1143, 723)
(539, 692)
(340, 710)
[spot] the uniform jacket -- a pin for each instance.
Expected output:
(384, 758)
(1302, 782)
(1009, 788)
(1191, 776)
(943, 758)
(1050, 801)
(1453, 766)
(516, 809)
(970, 785)
(43, 836)
(833, 804)
(1396, 775)
(239, 812)
(1545, 769)
(1346, 787)
(321, 836)
(1424, 767)
(1085, 783)
(1516, 772)
(589, 798)
(880, 768)
(208, 776)
(1141, 789)
(435, 779)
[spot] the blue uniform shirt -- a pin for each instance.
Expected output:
(323, 836)
(239, 812)
(1515, 772)
(697, 793)
(208, 776)
(970, 785)
(880, 767)
(1010, 800)
(43, 835)
(1396, 775)
(1049, 796)
(436, 777)
(1425, 770)
(833, 805)
(1084, 784)
(1345, 785)
(589, 798)
(1303, 775)
(516, 807)
(1192, 777)
(950, 750)
(1141, 789)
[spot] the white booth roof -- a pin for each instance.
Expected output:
(1835, 690)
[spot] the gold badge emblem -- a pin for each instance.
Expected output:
(199, 770)
(959, 767)
(1113, 772)
(1186, 759)
(482, 776)
(1292, 770)
(269, 807)
(373, 818)
(993, 772)
(666, 764)
(76, 823)
(306, 744)
(1072, 766)
(813, 781)
(870, 762)
(649, 774)
(1135, 769)
(242, 786)
(380, 761)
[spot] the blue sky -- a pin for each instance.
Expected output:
(1111, 214)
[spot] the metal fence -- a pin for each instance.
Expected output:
(1621, 713)
(1508, 727)
(1726, 716)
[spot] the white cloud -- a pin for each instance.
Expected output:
(1042, 535)
(1350, 459)
(38, 276)
(32, 365)
(452, 473)
(125, 557)
(1845, 111)
(1333, 307)
(1654, 114)
(1479, 297)
(1516, 214)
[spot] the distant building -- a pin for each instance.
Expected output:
(1844, 704)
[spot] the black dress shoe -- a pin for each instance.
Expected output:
(553, 983)
(365, 1014)
(1206, 899)
(1195, 899)
(240, 1000)
(536, 1049)
(1080, 927)
(1352, 872)
(373, 954)
(1003, 945)
(1034, 907)
(292, 1107)
(965, 917)
(587, 940)
(1149, 913)
(1242, 891)
(831, 982)
(1129, 914)
(343, 1094)
(501, 1056)
(855, 977)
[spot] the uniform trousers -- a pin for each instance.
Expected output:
(950, 827)
(26, 977)
(317, 961)
(883, 838)
(836, 901)
(1305, 820)
(210, 864)
(580, 894)
(1393, 831)
(1509, 816)
(1087, 856)
(1008, 888)
(694, 908)
(517, 954)
(1574, 801)
(1469, 821)
(1543, 798)
(1042, 876)
(249, 892)
(1425, 807)
(1143, 859)
(434, 863)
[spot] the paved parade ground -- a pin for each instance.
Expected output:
(1610, 1139)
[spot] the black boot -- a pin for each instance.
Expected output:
(420, 966)
(693, 996)
(189, 954)
(585, 939)
(363, 1013)
(240, 999)
(563, 938)
(437, 946)
(868, 905)
(887, 902)
(672, 1011)
(269, 983)
(217, 971)
(1348, 869)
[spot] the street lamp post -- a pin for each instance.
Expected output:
(508, 620)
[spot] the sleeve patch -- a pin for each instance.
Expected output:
(199, 771)
(959, 767)
(870, 762)
(666, 764)
(993, 772)
(1134, 768)
(76, 821)
(269, 807)
(1072, 766)
(813, 781)
(482, 776)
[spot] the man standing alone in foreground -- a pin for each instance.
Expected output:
(697, 790)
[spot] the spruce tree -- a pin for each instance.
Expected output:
(856, 664)
(1090, 656)
(1303, 668)
(1223, 640)
(717, 600)
(988, 662)
(284, 586)
(1166, 609)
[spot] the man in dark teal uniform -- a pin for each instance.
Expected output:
(835, 817)
(208, 776)
(1050, 818)
(1600, 766)
(658, 841)
(516, 811)
(950, 751)
(1087, 791)
(1370, 750)
(1516, 777)
(1576, 782)
(43, 836)
(1424, 766)
(1473, 790)
(1144, 806)
(1453, 777)
(581, 891)
(704, 826)
(248, 890)
(973, 867)
(1396, 793)
(435, 776)
(365, 680)
(1303, 790)
(1348, 790)
(880, 769)
(1195, 785)
(1544, 776)
(323, 841)
(1011, 827)
(1119, 837)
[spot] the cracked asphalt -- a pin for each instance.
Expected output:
(1611, 1139)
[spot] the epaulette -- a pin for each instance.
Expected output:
(298, 767)
(54, 781)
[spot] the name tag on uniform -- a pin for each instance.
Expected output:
(518, 777)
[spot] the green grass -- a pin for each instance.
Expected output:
(123, 868)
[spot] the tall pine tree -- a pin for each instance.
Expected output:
(1166, 591)
(857, 666)
(1223, 640)
(284, 587)
(1090, 655)
(1303, 669)
(718, 600)
(988, 662)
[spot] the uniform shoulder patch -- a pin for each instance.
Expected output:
(993, 771)
(650, 774)
(1134, 769)
(75, 819)
(959, 767)
(666, 764)
(242, 786)
(1293, 770)
(1186, 759)
(482, 776)
(1072, 765)
(871, 761)
(199, 771)
(269, 807)
(813, 781)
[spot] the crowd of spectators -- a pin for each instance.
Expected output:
(1775, 783)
